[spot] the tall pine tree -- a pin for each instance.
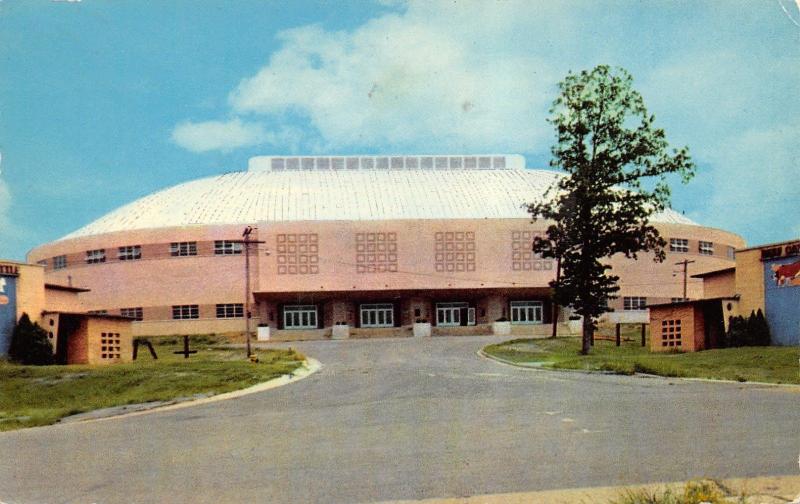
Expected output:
(616, 162)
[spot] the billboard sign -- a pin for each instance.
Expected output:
(8, 308)
(782, 298)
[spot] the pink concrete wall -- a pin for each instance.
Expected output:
(158, 281)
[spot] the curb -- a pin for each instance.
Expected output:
(760, 489)
(542, 367)
(309, 367)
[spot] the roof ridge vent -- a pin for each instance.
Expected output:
(399, 162)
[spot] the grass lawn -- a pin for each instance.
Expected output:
(763, 364)
(41, 395)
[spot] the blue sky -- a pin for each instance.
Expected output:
(104, 102)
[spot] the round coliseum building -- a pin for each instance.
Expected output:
(375, 242)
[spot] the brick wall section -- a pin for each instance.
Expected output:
(78, 344)
(687, 314)
(93, 339)
(719, 285)
(750, 281)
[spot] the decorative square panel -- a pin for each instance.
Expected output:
(454, 251)
(376, 260)
(522, 256)
(298, 253)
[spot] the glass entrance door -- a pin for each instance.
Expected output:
(300, 317)
(450, 314)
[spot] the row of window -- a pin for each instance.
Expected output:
(134, 252)
(181, 312)
(634, 303)
(231, 247)
(703, 247)
(224, 311)
(640, 303)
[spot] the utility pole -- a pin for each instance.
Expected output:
(555, 305)
(685, 263)
(247, 241)
(246, 235)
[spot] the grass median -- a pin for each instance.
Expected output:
(760, 364)
(41, 395)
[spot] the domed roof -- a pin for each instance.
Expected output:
(271, 191)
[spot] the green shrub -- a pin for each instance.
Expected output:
(30, 344)
(750, 331)
(647, 497)
(695, 492)
(703, 491)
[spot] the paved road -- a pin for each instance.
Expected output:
(411, 418)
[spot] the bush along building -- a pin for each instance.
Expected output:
(755, 302)
(375, 243)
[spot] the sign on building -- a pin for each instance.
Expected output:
(782, 292)
(8, 305)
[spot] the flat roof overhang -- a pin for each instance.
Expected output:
(440, 295)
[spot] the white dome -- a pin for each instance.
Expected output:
(337, 194)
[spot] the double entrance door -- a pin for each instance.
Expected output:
(454, 314)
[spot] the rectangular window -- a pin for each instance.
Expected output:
(300, 317)
(377, 315)
(110, 346)
(671, 333)
(97, 312)
(731, 253)
(449, 314)
(134, 313)
(226, 247)
(678, 245)
(183, 312)
(95, 256)
(230, 310)
(60, 262)
(181, 249)
(706, 248)
(526, 312)
(678, 300)
(634, 303)
(130, 253)
(43, 262)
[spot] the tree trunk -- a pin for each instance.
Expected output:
(588, 334)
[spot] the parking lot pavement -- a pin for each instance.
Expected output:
(411, 418)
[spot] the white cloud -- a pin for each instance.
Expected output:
(401, 82)
(474, 76)
(218, 135)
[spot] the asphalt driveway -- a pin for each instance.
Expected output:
(411, 418)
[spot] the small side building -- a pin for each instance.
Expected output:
(83, 338)
(690, 326)
(766, 278)
(77, 337)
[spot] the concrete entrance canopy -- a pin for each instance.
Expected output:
(480, 308)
